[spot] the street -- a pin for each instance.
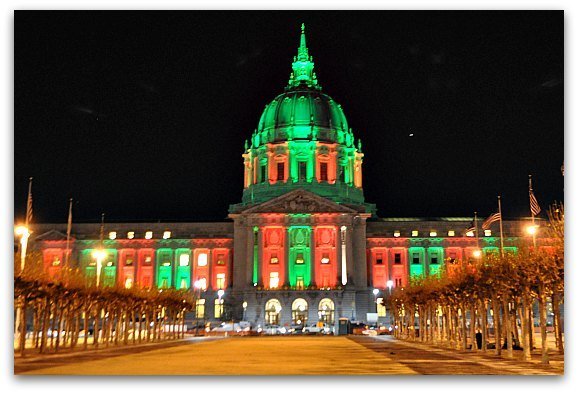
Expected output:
(281, 355)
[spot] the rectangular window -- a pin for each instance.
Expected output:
(221, 281)
(342, 173)
(184, 260)
(379, 259)
(166, 262)
(263, 173)
(148, 260)
(273, 280)
(202, 259)
(218, 308)
(281, 171)
(397, 258)
(183, 283)
(415, 259)
(299, 259)
(200, 308)
(274, 260)
(452, 257)
(221, 259)
(302, 170)
(323, 171)
(128, 261)
(398, 282)
(299, 283)
(434, 259)
(380, 307)
(325, 258)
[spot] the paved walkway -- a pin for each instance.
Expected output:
(285, 355)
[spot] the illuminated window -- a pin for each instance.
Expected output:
(148, 235)
(218, 308)
(148, 260)
(414, 233)
(220, 259)
(379, 259)
(487, 232)
(55, 261)
(184, 260)
(183, 283)
(130, 235)
(166, 261)
(128, 283)
(323, 171)
(280, 171)
(302, 170)
(221, 281)
(128, 261)
(451, 233)
(299, 259)
(470, 233)
(274, 260)
(273, 280)
(396, 234)
(433, 233)
(167, 235)
(415, 258)
(325, 258)
(202, 259)
(200, 308)
(380, 307)
(263, 173)
(112, 235)
(299, 283)
(397, 258)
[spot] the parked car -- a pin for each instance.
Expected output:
(317, 328)
(272, 330)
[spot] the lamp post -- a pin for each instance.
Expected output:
(532, 230)
(244, 309)
(98, 254)
(197, 284)
(375, 292)
(24, 234)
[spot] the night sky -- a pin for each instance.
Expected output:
(143, 115)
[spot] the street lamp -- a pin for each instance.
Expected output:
(389, 285)
(197, 284)
(24, 234)
(532, 229)
(477, 253)
(375, 292)
(98, 254)
(244, 309)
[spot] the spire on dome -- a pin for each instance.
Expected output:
(303, 73)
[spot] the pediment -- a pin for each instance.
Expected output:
(52, 234)
(299, 201)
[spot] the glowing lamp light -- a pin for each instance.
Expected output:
(244, 304)
(198, 284)
(375, 291)
(532, 229)
(148, 235)
(477, 253)
(220, 293)
(99, 254)
(21, 230)
(389, 284)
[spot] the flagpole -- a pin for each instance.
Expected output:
(68, 229)
(476, 230)
(532, 211)
(29, 204)
(501, 228)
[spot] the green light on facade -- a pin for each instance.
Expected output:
(255, 255)
(299, 256)
(183, 262)
(164, 267)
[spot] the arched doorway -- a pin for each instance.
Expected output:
(273, 312)
(299, 311)
(326, 311)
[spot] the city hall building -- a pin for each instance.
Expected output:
(302, 246)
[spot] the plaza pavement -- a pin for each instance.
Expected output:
(281, 355)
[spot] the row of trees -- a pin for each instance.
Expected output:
(491, 294)
(65, 309)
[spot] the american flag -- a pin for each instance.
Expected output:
(491, 219)
(534, 206)
(471, 228)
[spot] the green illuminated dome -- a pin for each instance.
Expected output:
(303, 141)
(303, 113)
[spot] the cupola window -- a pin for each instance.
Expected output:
(323, 171)
(302, 170)
(280, 171)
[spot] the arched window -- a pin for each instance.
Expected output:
(299, 311)
(326, 311)
(273, 312)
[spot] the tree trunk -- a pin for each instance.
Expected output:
(543, 322)
(473, 327)
(558, 321)
(22, 334)
(527, 351)
(484, 318)
(45, 324)
(508, 325)
(464, 329)
(497, 325)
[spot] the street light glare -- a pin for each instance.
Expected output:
(220, 292)
(532, 229)
(21, 230)
(389, 283)
(375, 291)
(477, 253)
(99, 254)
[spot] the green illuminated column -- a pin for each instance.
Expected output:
(183, 267)
(255, 242)
(300, 256)
(164, 267)
(416, 270)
